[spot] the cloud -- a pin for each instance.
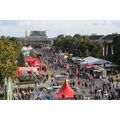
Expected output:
(116, 23)
(8, 22)
(101, 22)
(56, 27)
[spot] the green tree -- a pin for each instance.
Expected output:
(20, 60)
(32, 54)
(78, 45)
(116, 50)
(8, 57)
(9, 53)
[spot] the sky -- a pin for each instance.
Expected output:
(56, 27)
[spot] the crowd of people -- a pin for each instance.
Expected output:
(91, 85)
(22, 94)
(85, 78)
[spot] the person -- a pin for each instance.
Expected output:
(100, 78)
(112, 80)
(96, 97)
(79, 83)
(102, 93)
(83, 92)
(45, 68)
(95, 91)
(91, 92)
(82, 84)
(75, 97)
(106, 94)
(57, 84)
(88, 98)
(73, 83)
(86, 85)
(110, 96)
(63, 97)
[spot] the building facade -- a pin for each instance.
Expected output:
(36, 39)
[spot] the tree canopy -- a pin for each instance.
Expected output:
(9, 52)
(116, 50)
(78, 45)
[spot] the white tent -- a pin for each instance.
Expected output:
(101, 61)
(90, 60)
(97, 61)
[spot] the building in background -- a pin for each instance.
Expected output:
(36, 39)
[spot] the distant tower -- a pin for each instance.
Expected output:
(27, 33)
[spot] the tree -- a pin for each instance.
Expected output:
(32, 54)
(20, 60)
(78, 45)
(8, 57)
(116, 50)
(9, 53)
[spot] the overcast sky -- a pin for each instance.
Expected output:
(56, 27)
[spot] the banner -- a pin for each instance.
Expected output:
(107, 50)
(112, 50)
(9, 90)
(103, 51)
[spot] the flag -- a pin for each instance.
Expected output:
(112, 50)
(107, 50)
(103, 51)
(9, 90)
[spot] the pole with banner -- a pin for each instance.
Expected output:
(5, 89)
(103, 51)
(112, 50)
(9, 90)
(106, 54)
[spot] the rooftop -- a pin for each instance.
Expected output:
(36, 38)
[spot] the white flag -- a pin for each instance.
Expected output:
(107, 50)
(103, 51)
(112, 50)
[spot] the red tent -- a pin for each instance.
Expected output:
(66, 91)
(24, 70)
(33, 61)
